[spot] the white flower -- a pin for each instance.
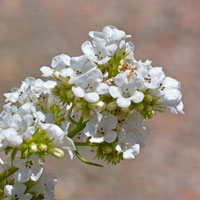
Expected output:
(178, 109)
(101, 128)
(30, 90)
(91, 86)
(134, 124)
(16, 192)
(99, 51)
(79, 66)
(127, 145)
(170, 93)
(45, 186)
(111, 34)
(10, 137)
(59, 63)
(60, 138)
(126, 90)
(30, 168)
(152, 77)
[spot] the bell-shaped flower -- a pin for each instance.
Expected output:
(45, 186)
(126, 90)
(111, 34)
(59, 63)
(151, 77)
(16, 192)
(101, 129)
(134, 124)
(10, 137)
(127, 145)
(91, 86)
(170, 92)
(99, 51)
(61, 140)
(30, 168)
(79, 66)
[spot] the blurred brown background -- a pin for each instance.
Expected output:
(168, 32)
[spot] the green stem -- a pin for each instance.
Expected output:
(4, 175)
(79, 127)
(85, 161)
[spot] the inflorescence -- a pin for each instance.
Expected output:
(98, 101)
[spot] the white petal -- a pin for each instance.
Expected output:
(60, 61)
(19, 188)
(102, 88)
(121, 79)
(171, 83)
(172, 95)
(78, 91)
(104, 60)
(8, 190)
(88, 49)
(91, 97)
(115, 91)
(96, 140)
(67, 72)
(110, 136)
(137, 97)
(123, 102)
(46, 71)
(12, 137)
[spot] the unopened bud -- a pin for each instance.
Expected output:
(59, 153)
(33, 148)
(148, 98)
(148, 108)
(140, 106)
(125, 110)
(70, 94)
(42, 147)
(56, 74)
(98, 106)
(112, 106)
(108, 149)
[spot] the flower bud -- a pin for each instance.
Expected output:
(70, 94)
(42, 147)
(98, 106)
(56, 74)
(59, 153)
(33, 148)
(148, 98)
(108, 149)
(112, 105)
(140, 106)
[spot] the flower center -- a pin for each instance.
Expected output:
(29, 164)
(161, 87)
(100, 132)
(98, 55)
(15, 197)
(148, 78)
(78, 72)
(89, 88)
(125, 145)
(126, 93)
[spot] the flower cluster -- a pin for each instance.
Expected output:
(98, 101)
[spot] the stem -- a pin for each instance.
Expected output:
(4, 175)
(85, 161)
(79, 127)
